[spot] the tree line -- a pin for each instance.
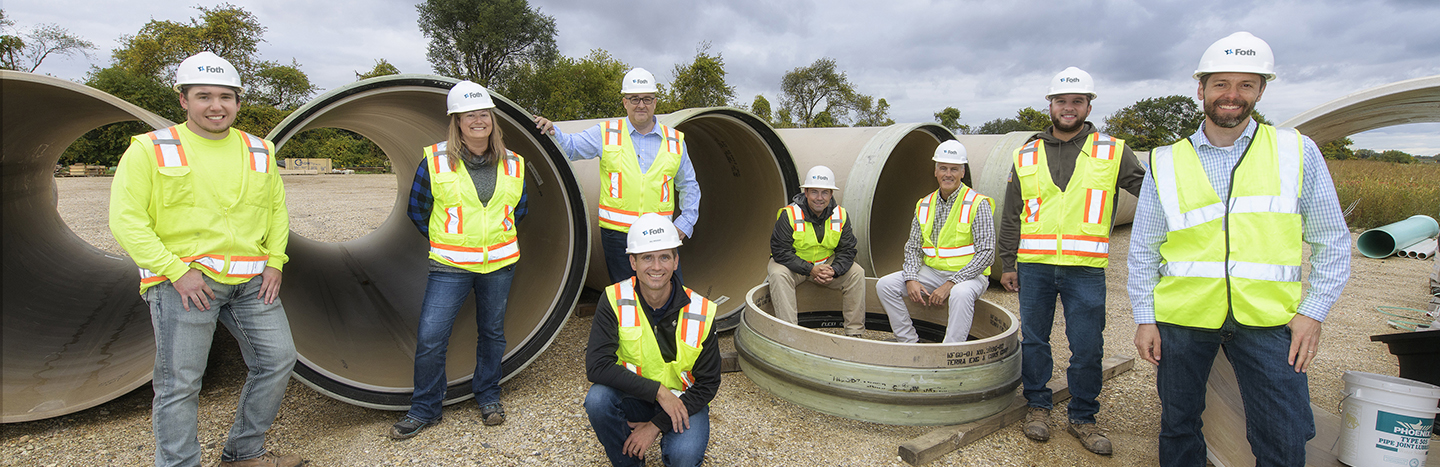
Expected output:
(509, 47)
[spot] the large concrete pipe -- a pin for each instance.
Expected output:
(354, 305)
(745, 175)
(1410, 101)
(876, 381)
(76, 331)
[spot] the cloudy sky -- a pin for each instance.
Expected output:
(985, 58)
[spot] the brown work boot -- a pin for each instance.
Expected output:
(1091, 437)
(269, 459)
(1037, 424)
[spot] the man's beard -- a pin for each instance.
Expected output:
(1212, 111)
(1079, 123)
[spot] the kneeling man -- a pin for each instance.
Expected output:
(954, 230)
(813, 241)
(647, 382)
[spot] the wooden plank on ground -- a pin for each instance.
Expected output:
(729, 362)
(947, 439)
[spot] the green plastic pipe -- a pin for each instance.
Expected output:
(1383, 241)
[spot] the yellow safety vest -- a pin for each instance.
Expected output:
(625, 192)
(465, 233)
(225, 242)
(806, 246)
(1253, 267)
(639, 352)
(957, 243)
(1069, 227)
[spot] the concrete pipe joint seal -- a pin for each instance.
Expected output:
(354, 306)
(745, 174)
(76, 332)
(875, 381)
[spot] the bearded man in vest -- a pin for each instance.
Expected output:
(642, 165)
(1215, 261)
(948, 256)
(200, 208)
(652, 356)
(1055, 240)
(813, 241)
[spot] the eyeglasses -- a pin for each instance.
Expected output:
(637, 100)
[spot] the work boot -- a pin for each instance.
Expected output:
(1037, 424)
(269, 459)
(408, 427)
(1091, 437)
(492, 414)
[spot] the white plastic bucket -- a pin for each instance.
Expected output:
(1385, 420)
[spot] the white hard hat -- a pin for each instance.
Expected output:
(1072, 81)
(207, 68)
(467, 96)
(651, 232)
(820, 177)
(951, 152)
(638, 81)
(1241, 52)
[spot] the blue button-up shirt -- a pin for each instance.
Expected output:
(588, 145)
(1323, 224)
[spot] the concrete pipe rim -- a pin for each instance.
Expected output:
(538, 339)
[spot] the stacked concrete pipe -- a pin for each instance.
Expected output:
(76, 332)
(743, 170)
(354, 306)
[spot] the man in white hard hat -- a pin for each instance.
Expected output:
(1055, 240)
(1215, 261)
(813, 241)
(200, 208)
(948, 256)
(652, 356)
(642, 165)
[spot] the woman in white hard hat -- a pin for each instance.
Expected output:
(468, 196)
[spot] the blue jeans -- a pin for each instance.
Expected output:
(1276, 398)
(1082, 292)
(610, 411)
(182, 346)
(444, 294)
(617, 263)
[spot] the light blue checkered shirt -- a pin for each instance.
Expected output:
(1320, 217)
(588, 145)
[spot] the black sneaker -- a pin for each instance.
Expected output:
(408, 427)
(492, 414)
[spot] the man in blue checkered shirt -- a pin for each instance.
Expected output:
(1215, 261)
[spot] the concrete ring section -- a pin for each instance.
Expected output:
(745, 174)
(876, 381)
(1410, 101)
(76, 332)
(354, 306)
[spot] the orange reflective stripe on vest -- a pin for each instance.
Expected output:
(168, 152)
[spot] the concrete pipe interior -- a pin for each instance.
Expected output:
(76, 332)
(354, 306)
(884, 382)
(745, 175)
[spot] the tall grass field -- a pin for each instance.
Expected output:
(1388, 192)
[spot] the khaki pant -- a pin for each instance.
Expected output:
(851, 286)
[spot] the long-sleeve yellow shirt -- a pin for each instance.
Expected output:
(210, 209)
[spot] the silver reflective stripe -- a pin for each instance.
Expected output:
(1281, 204)
(1288, 141)
(625, 301)
(697, 317)
(1210, 269)
(1265, 272)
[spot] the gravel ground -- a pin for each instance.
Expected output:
(547, 426)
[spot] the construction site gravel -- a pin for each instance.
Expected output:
(547, 426)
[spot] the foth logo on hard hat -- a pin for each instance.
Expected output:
(210, 69)
(640, 81)
(474, 95)
(1246, 52)
(1069, 79)
(654, 231)
(821, 177)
